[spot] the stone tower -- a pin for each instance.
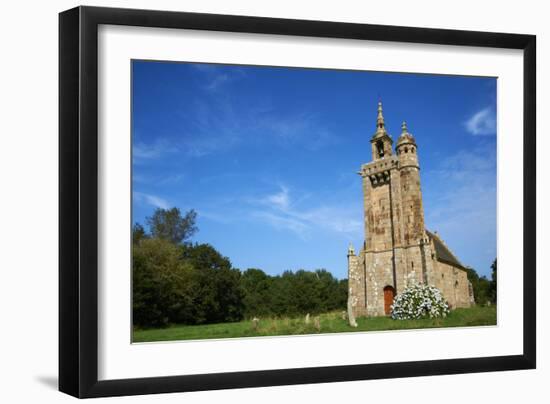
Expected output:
(397, 250)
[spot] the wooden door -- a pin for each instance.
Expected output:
(389, 294)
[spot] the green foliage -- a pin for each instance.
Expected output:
(187, 284)
(138, 233)
(162, 283)
(168, 224)
(493, 283)
(292, 293)
(484, 289)
(258, 288)
(219, 296)
(176, 282)
(342, 299)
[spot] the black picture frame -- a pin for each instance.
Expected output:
(78, 201)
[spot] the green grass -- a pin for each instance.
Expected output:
(329, 322)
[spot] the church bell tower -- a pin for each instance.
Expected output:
(398, 251)
(394, 254)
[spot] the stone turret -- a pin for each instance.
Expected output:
(406, 148)
(411, 194)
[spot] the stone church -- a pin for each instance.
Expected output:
(398, 250)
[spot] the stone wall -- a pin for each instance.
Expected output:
(356, 283)
(411, 205)
(379, 274)
(378, 220)
(453, 283)
(409, 268)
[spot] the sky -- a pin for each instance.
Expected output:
(268, 157)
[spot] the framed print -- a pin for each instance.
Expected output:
(250, 201)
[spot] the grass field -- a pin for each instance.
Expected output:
(329, 323)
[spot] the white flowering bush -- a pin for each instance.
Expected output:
(419, 301)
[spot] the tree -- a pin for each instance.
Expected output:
(162, 284)
(218, 292)
(169, 224)
(493, 283)
(183, 284)
(257, 299)
(298, 293)
(305, 293)
(177, 282)
(480, 285)
(138, 233)
(342, 299)
(281, 300)
(329, 291)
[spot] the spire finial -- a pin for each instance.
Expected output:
(404, 127)
(380, 119)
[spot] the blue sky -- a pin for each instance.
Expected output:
(268, 157)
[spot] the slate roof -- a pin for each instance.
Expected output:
(442, 252)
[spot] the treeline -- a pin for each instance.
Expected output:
(485, 290)
(178, 282)
(292, 293)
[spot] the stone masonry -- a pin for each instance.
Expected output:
(398, 250)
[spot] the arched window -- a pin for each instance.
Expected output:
(406, 149)
(380, 149)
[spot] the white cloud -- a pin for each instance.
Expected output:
(460, 203)
(214, 126)
(149, 151)
(217, 76)
(283, 212)
(302, 128)
(279, 200)
(281, 222)
(205, 67)
(467, 166)
(217, 81)
(152, 200)
(482, 123)
(334, 218)
(157, 179)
